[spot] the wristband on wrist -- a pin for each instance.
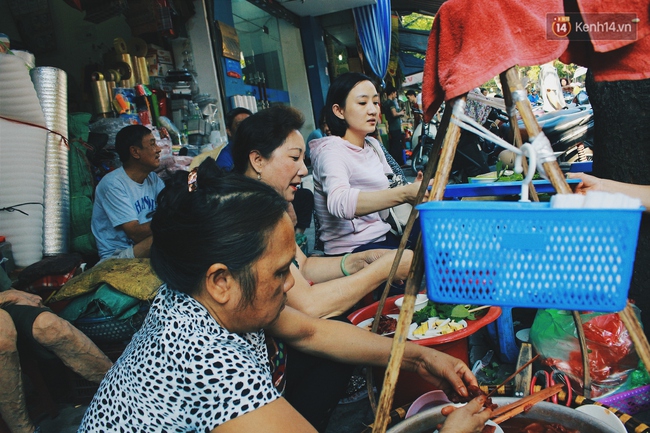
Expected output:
(345, 272)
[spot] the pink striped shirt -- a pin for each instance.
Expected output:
(342, 170)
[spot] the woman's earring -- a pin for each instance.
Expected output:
(259, 176)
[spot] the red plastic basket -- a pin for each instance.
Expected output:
(631, 402)
(410, 386)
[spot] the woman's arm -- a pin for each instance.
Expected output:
(369, 202)
(334, 297)
(351, 344)
(593, 183)
(374, 201)
(318, 269)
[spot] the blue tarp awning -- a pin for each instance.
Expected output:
(410, 64)
(410, 42)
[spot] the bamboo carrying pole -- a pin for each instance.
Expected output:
(452, 135)
(427, 175)
(516, 133)
(520, 99)
(637, 335)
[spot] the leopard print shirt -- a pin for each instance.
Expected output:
(182, 372)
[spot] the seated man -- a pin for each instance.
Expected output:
(25, 322)
(125, 198)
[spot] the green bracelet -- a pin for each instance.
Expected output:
(345, 272)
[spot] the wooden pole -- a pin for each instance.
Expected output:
(637, 335)
(516, 134)
(382, 417)
(552, 168)
(584, 351)
(429, 171)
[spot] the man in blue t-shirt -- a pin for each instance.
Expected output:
(126, 197)
(233, 118)
(533, 97)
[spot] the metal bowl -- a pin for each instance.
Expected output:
(427, 420)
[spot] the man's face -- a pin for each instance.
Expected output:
(412, 98)
(149, 154)
(235, 124)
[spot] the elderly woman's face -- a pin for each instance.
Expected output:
(273, 278)
(286, 167)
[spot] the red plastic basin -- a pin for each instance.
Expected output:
(409, 385)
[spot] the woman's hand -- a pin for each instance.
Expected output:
(414, 188)
(466, 419)
(587, 183)
(445, 372)
(593, 183)
(388, 258)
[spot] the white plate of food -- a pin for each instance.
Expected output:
(384, 320)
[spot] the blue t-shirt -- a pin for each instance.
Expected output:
(224, 160)
(118, 200)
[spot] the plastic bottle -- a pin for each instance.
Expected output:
(6, 256)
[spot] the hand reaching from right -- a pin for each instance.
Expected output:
(466, 419)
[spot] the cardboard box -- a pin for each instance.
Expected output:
(159, 61)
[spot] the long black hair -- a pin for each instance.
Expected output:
(227, 219)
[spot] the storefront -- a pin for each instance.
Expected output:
(262, 58)
(90, 40)
(194, 57)
(279, 56)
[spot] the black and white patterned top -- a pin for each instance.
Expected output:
(182, 372)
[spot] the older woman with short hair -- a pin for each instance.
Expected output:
(224, 247)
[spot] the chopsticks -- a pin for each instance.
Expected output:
(512, 375)
(483, 307)
(511, 410)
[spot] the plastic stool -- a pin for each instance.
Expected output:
(502, 332)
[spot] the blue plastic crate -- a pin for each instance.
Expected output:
(528, 255)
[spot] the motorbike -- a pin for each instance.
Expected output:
(570, 132)
(422, 142)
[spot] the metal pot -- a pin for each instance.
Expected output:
(427, 420)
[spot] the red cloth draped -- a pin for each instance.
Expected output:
(474, 40)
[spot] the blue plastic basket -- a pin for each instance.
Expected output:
(528, 255)
(631, 402)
